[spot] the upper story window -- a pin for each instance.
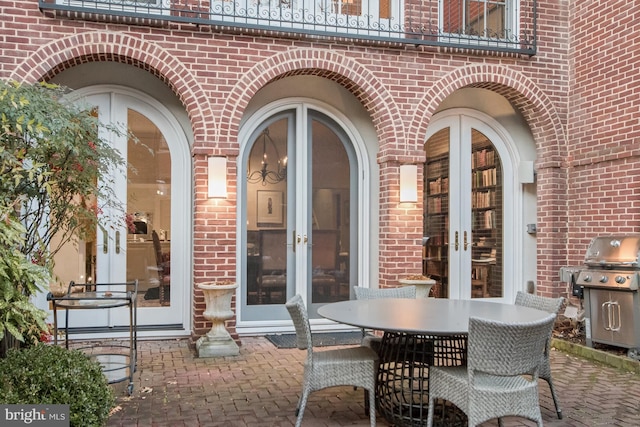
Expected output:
(481, 19)
(499, 25)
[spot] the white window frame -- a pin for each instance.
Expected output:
(512, 24)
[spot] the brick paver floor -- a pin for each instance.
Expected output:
(260, 387)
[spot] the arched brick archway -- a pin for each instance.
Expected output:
(64, 53)
(356, 78)
(375, 98)
(534, 105)
(548, 132)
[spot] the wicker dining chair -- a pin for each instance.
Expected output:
(353, 366)
(550, 305)
(408, 292)
(495, 382)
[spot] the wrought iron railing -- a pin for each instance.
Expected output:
(496, 25)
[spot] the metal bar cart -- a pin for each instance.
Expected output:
(118, 359)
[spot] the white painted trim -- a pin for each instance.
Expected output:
(181, 206)
(513, 224)
(302, 105)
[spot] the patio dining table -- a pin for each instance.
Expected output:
(419, 333)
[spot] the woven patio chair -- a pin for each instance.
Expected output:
(550, 305)
(408, 292)
(354, 366)
(495, 382)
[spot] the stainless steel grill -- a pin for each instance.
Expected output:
(609, 281)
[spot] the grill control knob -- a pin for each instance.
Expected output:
(587, 278)
(620, 279)
(604, 279)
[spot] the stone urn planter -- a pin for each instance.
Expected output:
(217, 342)
(423, 284)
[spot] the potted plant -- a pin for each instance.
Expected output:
(217, 342)
(422, 283)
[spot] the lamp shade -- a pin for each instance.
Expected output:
(408, 184)
(217, 177)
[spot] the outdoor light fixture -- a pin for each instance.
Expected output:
(217, 177)
(408, 184)
(264, 175)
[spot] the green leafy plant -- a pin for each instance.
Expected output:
(55, 162)
(19, 278)
(47, 374)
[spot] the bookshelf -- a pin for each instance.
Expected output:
(436, 223)
(486, 209)
(486, 217)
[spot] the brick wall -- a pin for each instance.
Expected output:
(215, 75)
(604, 122)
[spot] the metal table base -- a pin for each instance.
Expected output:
(402, 389)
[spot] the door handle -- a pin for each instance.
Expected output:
(616, 316)
(466, 242)
(117, 242)
(455, 244)
(607, 316)
(305, 239)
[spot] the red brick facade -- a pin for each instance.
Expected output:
(579, 95)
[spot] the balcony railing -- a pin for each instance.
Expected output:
(485, 25)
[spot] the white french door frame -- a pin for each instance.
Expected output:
(116, 101)
(461, 121)
(297, 199)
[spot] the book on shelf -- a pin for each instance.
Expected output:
(482, 158)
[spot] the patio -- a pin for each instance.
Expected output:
(260, 387)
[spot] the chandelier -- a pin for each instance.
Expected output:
(264, 175)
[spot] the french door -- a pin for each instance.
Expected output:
(145, 236)
(299, 179)
(467, 219)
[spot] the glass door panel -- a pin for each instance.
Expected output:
(463, 213)
(436, 217)
(268, 250)
(300, 228)
(330, 216)
(148, 243)
(487, 224)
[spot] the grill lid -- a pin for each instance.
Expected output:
(614, 251)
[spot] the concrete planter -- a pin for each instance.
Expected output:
(423, 287)
(217, 342)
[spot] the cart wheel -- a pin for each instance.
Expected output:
(130, 389)
(633, 354)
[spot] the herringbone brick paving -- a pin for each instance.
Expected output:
(260, 387)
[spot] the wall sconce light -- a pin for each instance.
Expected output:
(217, 177)
(408, 183)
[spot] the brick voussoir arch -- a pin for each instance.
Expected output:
(535, 106)
(356, 78)
(95, 46)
